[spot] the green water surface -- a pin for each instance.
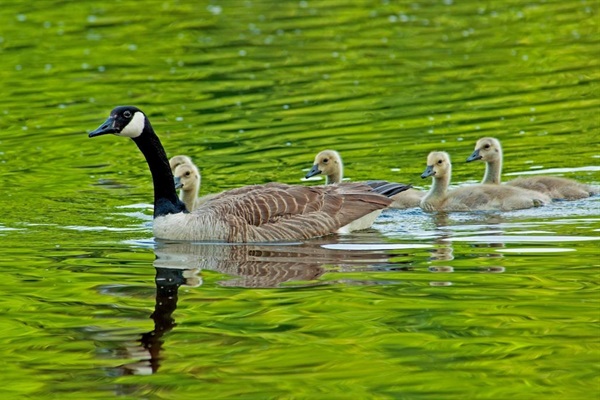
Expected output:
(459, 306)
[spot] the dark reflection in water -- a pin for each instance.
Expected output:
(259, 266)
(150, 344)
(253, 266)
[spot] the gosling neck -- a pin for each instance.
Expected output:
(336, 176)
(189, 196)
(493, 170)
(165, 197)
(440, 185)
(437, 193)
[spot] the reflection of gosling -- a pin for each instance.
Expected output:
(329, 163)
(441, 269)
(489, 150)
(440, 283)
(473, 197)
(491, 270)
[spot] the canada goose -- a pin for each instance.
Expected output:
(329, 163)
(473, 197)
(256, 213)
(488, 149)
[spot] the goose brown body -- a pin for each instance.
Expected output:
(273, 212)
(489, 150)
(329, 163)
(256, 213)
(473, 197)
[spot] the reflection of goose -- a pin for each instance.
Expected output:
(268, 265)
(147, 352)
(329, 163)
(177, 264)
(473, 197)
(252, 265)
(257, 213)
(489, 150)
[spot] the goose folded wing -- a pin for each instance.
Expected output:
(276, 212)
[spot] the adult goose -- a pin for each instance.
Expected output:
(258, 213)
(488, 149)
(329, 163)
(472, 197)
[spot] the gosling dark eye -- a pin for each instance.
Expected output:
(440, 161)
(487, 146)
(187, 173)
(127, 114)
(325, 160)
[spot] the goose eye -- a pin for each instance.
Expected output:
(440, 161)
(325, 160)
(127, 114)
(187, 173)
(487, 146)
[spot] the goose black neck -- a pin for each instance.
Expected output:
(165, 196)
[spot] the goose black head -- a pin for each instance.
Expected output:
(126, 121)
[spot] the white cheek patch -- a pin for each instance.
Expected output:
(135, 127)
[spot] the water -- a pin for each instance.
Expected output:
(491, 305)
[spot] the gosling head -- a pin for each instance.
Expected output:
(176, 161)
(487, 149)
(186, 177)
(128, 121)
(438, 165)
(327, 162)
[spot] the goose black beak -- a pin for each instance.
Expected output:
(428, 172)
(475, 156)
(107, 127)
(313, 171)
(178, 184)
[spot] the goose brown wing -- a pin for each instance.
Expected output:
(278, 212)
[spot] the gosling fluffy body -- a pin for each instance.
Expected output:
(329, 163)
(473, 197)
(187, 180)
(489, 150)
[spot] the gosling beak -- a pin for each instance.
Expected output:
(475, 156)
(178, 184)
(313, 171)
(428, 172)
(107, 127)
